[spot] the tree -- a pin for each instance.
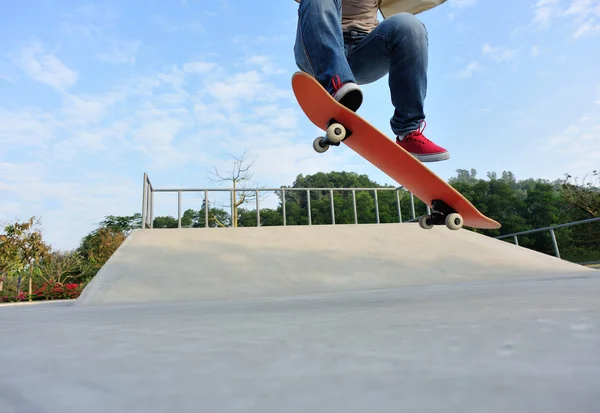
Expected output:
(465, 177)
(240, 173)
(9, 259)
(122, 223)
(583, 199)
(22, 249)
(99, 245)
(63, 267)
(166, 222)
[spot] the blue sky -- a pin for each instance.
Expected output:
(92, 95)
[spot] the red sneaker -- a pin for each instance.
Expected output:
(348, 94)
(422, 148)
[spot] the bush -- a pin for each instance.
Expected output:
(48, 291)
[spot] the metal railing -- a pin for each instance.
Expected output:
(549, 229)
(149, 191)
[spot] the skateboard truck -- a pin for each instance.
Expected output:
(336, 133)
(441, 214)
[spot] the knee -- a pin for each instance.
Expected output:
(320, 6)
(406, 25)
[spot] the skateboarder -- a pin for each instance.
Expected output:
(342, 44)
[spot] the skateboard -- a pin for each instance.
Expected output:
(448, 207)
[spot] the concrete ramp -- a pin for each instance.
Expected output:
(169, 265)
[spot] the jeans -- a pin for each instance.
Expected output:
(398, 46)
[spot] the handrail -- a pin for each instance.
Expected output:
(149, 190)
(557, 226)
(550, 229)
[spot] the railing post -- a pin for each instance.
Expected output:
(376, 205)
(179, 209)
(144, 201)
(332, 207)
(556, 251)
(205, 208)
(516, 240)
(257, 209)
(151, 209)
(354, 205)
(398, 204)
(308, 207)
(233, 198)
(412, 204)
(283, 200)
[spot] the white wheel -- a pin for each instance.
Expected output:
(336, 133)
(424, 222)
(454, 221)
(317, 145)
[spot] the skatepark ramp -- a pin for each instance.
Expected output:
(171, 265)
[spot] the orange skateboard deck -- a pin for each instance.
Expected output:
(448, 206)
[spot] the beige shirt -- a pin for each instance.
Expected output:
(359, 15)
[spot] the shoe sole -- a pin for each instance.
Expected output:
(433, 157)
(352, 100)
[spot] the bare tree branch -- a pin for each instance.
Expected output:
(240, 174)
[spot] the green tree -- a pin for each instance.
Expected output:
(22, 249)
(165, 222)
(99, 245)
(124, 224)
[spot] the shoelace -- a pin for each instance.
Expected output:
(417, 135)
(336, 82)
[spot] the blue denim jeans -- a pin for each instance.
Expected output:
(398, 46)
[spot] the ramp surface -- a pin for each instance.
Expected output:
(369, 318)
(170, 265)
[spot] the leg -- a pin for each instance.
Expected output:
(319, 49)
(399, 46)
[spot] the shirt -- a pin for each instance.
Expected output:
(360, 15)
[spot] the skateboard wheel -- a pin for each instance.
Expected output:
(425, 222)
(336, 133)
(319, 146)
(454, 221)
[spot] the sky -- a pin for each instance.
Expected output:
(94, 94)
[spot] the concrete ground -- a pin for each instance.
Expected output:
(527, 343)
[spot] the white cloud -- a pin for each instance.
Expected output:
(173, 26)
(266, 65)
(589, 27)
(544, 12)
(96, 26)
(199, 67)
(583, 9)
(89, 109)
(457, 6)
(579, 140)
(461, 4)
(26, 128)
(499, 54)
(121, 52)
(468, 71)
(169, 119)
(46, 68)
(535, 50)
(584, 16)
(68, 209)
